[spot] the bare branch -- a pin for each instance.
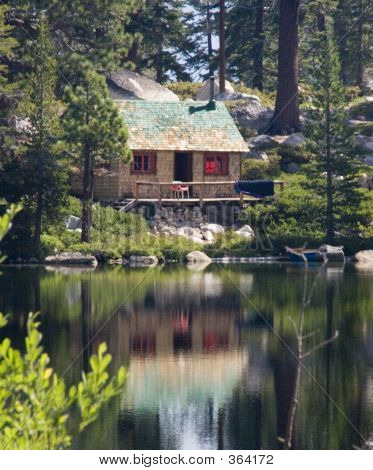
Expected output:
(335, 336)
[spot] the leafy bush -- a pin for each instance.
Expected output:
(260, 169)
(51, 245)
(294, 154)
(74, 206)
(229, 243)
(185, 90)
(295, 212)
(34, 401)
(267, 99)
(35, 405)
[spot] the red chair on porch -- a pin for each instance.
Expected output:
(179, 189)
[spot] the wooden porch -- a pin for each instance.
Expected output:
(202, 198)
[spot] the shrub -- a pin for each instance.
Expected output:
(267, 99)
(35, 404)
(229, 243)
(50, 245)
(185, 90)
(110, 226)
(294, 154)
(260, 169)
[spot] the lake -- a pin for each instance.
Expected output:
(209, 353)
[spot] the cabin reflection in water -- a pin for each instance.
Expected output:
(186, 360)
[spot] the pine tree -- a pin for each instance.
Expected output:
(335, 171)
(164, 45)
(7, 42)
(43, 170)
(94, 132)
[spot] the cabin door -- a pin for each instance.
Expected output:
(183, 169)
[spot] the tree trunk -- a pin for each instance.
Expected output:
(286, 115)
(359, 47)
(38, 219)
(329, 181)
(321, 21)
(258, 46)
(222, 58)
(88, 180)
(209, 40)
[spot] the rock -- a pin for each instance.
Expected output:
(365, 142)
(368, 146)
(143, 261)
(295, 140)
(231, 96)
(73, 223)
(253, 115)
(214, 228)
(292, 167)
(204, 92)
(368, 160)
(198, 267)
(363, 180)
(128, 85)
(198, 257)
(263, 142)
(195, 239)
(368, 80)
(257, 155)
(365, 256)
(69, 258)
(246, 231)
(33, 261)
(208, 235)
(115, 261)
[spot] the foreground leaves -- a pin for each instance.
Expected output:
(35, 404)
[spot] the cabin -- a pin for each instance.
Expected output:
(185, 151)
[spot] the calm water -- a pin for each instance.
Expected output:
(206, 371)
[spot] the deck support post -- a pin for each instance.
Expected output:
(160, 194)
(201, 195)
(137, 190)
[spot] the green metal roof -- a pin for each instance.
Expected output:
(181, 126)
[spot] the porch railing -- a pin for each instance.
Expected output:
(201, 185)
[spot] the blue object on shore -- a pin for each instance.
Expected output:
(311, 256)
(256, 188)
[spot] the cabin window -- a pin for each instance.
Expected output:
(216, 164)
(143, 163)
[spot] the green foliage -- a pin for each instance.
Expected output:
(362, 108)
(162, 43)
(7, 42)
(295, 212)
(290, 154)
(7, 219)
(35, 403)
(253, 169)
(185, 90)
(44, 168)
(245, 49)
(266, 98)
(331, 141)
(50, 245)
(229, 243)
(92, 121)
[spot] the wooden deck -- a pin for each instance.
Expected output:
(201, 200)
